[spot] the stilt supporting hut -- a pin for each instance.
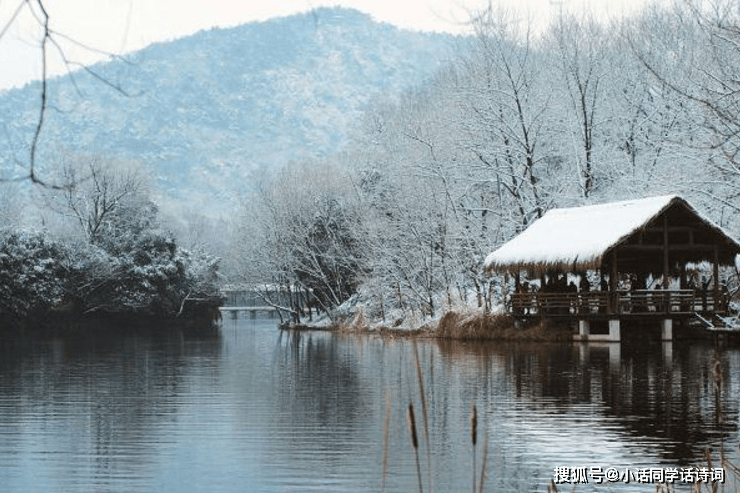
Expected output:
(654, 259)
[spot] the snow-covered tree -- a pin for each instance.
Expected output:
(581, 69)
(303, 233)
(507, 103)
(31, 266)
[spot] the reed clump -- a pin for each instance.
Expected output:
(480, 326)
(416, 437)
(357, 323)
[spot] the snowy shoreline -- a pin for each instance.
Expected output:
(459, 324)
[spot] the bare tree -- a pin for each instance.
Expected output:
(507, 110)
(693, 49)
(50, 40)
(302, 234)
(93, 192)
(582, 49)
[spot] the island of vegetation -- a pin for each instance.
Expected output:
(104, 257)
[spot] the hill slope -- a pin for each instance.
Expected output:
(207, 112)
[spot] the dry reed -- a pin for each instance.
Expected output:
(484, 459)
(415, 443)
(386, 438)
(708, 458)
(424, 413)
(474, 439)
(551, 488)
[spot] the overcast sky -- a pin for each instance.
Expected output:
(121, 26)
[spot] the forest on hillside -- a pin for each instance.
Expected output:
(524, 121)
(209, 113)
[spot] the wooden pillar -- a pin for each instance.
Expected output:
(667, 332)
(505, 291)
(613, 282)
(666, 266)
(715, 305)
(538, 299)
(600, 288)
(683, 283)
(666, 270)
(515, 299)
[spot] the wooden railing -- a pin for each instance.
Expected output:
(673, 301)
(558, 303)
(663, 301)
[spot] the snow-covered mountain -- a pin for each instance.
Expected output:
(208, 112)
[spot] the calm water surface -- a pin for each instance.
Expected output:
(253, 409)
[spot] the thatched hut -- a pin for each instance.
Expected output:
(642, 257)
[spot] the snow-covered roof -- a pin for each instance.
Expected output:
(578, 237)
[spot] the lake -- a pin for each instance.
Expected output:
(251, 408)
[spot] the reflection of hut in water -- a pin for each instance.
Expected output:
(632, 260)
(625, 394)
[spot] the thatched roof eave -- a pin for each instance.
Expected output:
(538, 268)
(582, 238)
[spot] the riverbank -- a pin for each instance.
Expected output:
(458, 324)
(201, 317)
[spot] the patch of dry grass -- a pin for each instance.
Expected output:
(480, 326)
(459, 324)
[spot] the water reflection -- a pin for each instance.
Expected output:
(324, 381)
(663, 395)
(80, 411)
(260, 410)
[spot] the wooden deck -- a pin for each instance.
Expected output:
(678, 303)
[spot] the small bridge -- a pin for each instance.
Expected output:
(264, 300)
(252, 310)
